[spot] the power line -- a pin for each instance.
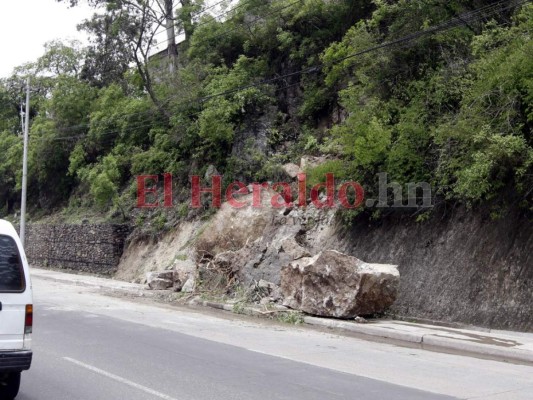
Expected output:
(224, 33)
(276, 11)
(80, 126)
(450, 24)
(143, 125)
(438, 28)
(215, 17)
(454, 22)
(208, 8)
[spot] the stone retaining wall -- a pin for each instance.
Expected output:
(86, 248)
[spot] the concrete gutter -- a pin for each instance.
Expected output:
(505, 346)
(481, 343)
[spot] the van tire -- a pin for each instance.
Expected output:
(9, 388)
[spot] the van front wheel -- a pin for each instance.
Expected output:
(9, 386)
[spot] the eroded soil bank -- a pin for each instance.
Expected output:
(457, 266)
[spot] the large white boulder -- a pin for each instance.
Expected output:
(333, 284)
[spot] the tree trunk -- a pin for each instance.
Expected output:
(187, 19)
(172, 47)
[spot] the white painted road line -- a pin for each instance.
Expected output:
(119, 379)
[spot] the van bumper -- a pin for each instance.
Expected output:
(15, 360)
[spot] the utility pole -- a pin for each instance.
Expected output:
(21, 120)
(25, 166)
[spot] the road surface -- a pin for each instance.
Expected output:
(91, 346)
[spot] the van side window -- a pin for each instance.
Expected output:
(11, 270)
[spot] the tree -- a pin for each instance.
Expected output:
(133, 26)
(107, 58)
(61, 58)
(10, 168)
(9, 111)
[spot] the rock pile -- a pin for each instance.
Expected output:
(160, 280)
(180, 278)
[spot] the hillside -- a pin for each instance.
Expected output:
(429, 93)
(403, 87)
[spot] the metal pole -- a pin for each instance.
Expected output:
(25, 166)
(21, 120)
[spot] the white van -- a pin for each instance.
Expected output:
(16, 312)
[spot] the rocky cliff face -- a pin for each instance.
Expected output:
(458, 266)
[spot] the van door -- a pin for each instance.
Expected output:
(13, 295)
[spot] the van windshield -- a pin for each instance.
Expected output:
(11, 271)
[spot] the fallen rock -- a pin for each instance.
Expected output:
(309, 162)
(273, 290)
(160, 280)
(293, 248)
(160, 284)
(177, 286)
(210, 172)
(265, 301)
(333, 284)
(266, 285)
(167, 275)
(183, 270)
(292, 170)
(225, 260)
(189, 286)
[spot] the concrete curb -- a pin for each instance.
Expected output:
(365, 329)
(369, 331)
(430, 342)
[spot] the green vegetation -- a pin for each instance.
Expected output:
(453, 108)
(290, 317)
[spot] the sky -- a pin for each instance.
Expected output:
(26, 25)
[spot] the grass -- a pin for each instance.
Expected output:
(290, 317)
(239, 308)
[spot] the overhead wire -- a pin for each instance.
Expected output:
(215, 17)
(307, 70)
(110, 140)
(224, 33)
(165, 101)
(450, 24)
(168, 99)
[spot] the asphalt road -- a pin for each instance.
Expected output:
(90, 346)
